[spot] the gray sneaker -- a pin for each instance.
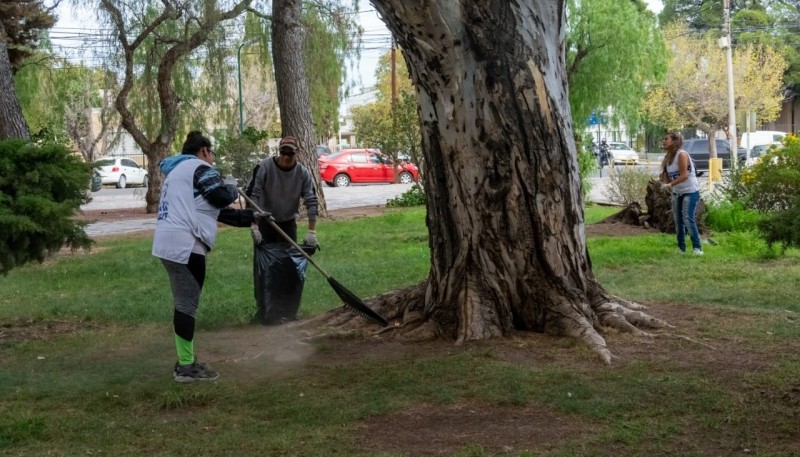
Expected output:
(194, 372)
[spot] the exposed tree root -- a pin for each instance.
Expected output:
(574, 317)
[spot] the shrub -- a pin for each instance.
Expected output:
(773, 188)
(627, 185)
(412, 197)
(41, 188)
(725, 215)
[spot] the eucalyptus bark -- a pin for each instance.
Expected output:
(12, 122)
(505, 210)
(292, 85)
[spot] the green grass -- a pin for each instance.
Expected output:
(105, 390)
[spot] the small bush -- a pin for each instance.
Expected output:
(412, 197)
(725, 215)
(41, 188)
(627, 185)
(772, 187)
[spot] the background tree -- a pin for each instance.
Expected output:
(504, 211)
(67, 102)
(156, 41)
(20, 25)
(332, 38)
(23, 21)
(12, 123)
(392, 129)
(614, 50)
(757, 22)
(695, 89)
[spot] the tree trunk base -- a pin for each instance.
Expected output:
(407, 322)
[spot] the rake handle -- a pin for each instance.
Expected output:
(285, 236)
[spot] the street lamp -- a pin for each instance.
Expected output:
(239, 74)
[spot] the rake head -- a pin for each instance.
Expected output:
(354, 304)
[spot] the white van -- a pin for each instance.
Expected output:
(760, 138)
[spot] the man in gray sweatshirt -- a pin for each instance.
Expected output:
(278, 185)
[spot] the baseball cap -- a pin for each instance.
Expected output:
(289, 142)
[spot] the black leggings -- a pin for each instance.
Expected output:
(187, 283)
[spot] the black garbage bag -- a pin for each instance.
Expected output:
(279, 272)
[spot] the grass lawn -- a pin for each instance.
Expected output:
(86, 352)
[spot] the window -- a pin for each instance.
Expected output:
(129, 163)
(699, 147)
(358, 157)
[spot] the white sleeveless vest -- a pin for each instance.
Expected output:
(183, 218)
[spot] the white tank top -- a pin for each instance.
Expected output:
(690, 185)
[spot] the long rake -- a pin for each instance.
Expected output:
(351, 301)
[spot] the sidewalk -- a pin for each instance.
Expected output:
(336, 198)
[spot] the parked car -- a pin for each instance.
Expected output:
(756, 152)
(323, 151)
(760, 138)
(622, 153)
(698, 151)
(121, 172)
(363, 166)
(97, 181)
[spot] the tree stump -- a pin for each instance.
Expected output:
(659, 209)
(631, 215)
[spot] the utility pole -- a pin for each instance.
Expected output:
(733, 157)
(395, 146)
(239, 73)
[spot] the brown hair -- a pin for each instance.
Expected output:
(677, 144)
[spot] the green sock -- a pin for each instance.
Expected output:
(185, 351)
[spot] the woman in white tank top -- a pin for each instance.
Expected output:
(678, 175)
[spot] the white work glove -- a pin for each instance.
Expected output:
(311, 238)
(256, 234)
(666, 186)
(230, 181)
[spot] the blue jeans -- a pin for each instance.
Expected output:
(683, 206)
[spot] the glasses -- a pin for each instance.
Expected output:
(211, 151)
(287, 152)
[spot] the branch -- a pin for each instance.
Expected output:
(121, 103)
(167, 97)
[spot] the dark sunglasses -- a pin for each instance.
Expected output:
(287, 152)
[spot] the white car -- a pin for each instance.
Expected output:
(622, 153)
(121, 172)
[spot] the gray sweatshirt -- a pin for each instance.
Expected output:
(279, 191)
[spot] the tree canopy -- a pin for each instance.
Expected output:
(758, 22)
(392, 126)
(614, 51)
(695, 91)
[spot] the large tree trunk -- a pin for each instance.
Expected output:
(508, 249)
(292, 85)
(12, 123)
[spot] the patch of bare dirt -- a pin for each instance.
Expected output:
(41, 329)
(617, 229)
(431, 430)
(117, 214)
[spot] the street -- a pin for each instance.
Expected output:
(337, 198)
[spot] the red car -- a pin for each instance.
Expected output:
(363, 166)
